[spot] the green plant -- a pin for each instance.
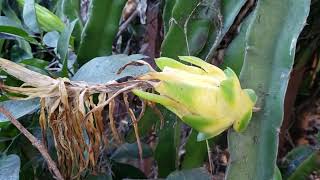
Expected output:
(273, 59)
(78, 100)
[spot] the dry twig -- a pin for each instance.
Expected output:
(35, 142)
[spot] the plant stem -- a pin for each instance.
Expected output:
(209, 157)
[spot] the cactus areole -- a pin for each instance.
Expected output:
(203, 96)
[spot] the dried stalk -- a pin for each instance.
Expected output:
(35, 142)
(135, 127)
(112, 122)
(157, 111)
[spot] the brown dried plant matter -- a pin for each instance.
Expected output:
(69, 111)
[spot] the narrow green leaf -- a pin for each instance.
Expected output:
(10, 29)
(229, 11)
(269, 57)
(63, 47)
(9, 32)
(29, 16)
(234, 55)
(300, 162)
(312, 163)
(167, 14)
(71, 10)
(39, 63)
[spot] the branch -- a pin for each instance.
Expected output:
(35, 142)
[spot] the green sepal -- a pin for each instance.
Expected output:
(203, 136)
(153, 97)
(228, 90)
(194, 60)
(199, 123)
(209, 68)
(230, 73)
(173, 106)
(196, 121)
(252, 95)
(163, 62)
(169, 62)
(240, 125)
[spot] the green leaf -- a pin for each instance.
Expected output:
(7, 21)
(198, 173)
(19, 108)
(9, 167)
(51, 39)
(166, 152)
(270, 49)
(63, 47)
(47, 21)
(29, 16)
(124, 171)
(9, 12)
(71, 10)
(39, 63)
(308, 166)
(9, 29)
(190, 23)
(104, 69)
(20, 51)
(277, 174)
(130, 151)
(16, 32)
(196, 152)
(100, 30)
(300, 162)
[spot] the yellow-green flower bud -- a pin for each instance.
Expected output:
(203, 96)
(46, 19)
